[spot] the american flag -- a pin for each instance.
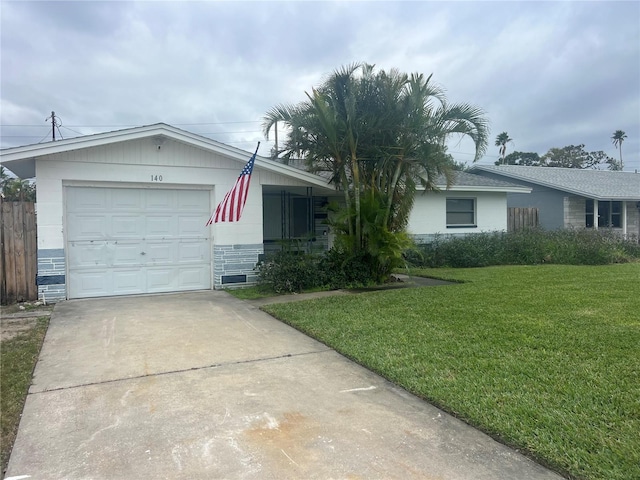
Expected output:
(230, 208)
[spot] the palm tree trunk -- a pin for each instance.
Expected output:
(391, 191)
(621, 164)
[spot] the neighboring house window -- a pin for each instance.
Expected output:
(609, 214)
(588, 220)
(461, 212)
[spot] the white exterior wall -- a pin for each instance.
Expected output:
(136, 164)
(428, 216)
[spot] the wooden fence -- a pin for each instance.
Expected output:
(521, 218)
(18, 252)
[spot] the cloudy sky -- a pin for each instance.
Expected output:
(551, 74)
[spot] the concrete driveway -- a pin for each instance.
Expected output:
(202, 385)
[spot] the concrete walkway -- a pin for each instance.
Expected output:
(203, 386)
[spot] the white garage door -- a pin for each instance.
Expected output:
(123, 241)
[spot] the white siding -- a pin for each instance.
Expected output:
(428, 216)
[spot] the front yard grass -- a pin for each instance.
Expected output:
(544, 358)
(18, 356)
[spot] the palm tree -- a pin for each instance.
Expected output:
(501, 141)
(380, 135)
(618, 137)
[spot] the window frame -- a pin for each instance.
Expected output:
(608, 216)
(473, 211)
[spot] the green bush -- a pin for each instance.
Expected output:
(342, 269)
(527, 247)
(291, 271)
(287, 272)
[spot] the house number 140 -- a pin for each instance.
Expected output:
(156, 178)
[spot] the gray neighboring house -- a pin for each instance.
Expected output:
(573, 198)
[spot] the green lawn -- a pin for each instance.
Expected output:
(18, 358)
(544, 358)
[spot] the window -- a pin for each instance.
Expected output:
(589, 213)
(609, 214)
(300, 217)
(461, 212)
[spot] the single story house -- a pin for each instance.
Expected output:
(575, 198)
(124, 212)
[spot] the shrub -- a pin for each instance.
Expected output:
(527, 247)
(295, 271)
(287, 272)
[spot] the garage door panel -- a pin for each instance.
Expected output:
(160, 252)
(192, 226)
(91, 283)
(82, 199)
(161, 279)
(160, 200)
(193, 252)
(126, 241)
(126, 199)
(86, 254)
(126, 226)
(123, 253)
(128, 282)
(191, 200)
(160, 226)
(86, 227)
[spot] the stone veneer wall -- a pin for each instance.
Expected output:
(575, 212)
(51, 277)
(426, 238)
(231, 263)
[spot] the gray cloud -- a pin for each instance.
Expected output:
(551, 74)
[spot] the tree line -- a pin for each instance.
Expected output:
(571, 156)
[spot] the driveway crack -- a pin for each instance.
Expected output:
(183, 370)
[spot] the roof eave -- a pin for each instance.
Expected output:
(23, 158)
(478, 188)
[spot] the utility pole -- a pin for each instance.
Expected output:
(54, 124)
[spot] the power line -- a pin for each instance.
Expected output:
(74, 131)
(135, 125)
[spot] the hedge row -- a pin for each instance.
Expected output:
(528, 247)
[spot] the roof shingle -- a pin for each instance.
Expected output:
(597, 184)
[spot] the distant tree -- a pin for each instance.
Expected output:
(453, 164)
(4, 177)
(574, 156)
(618, 137)
(459, 166)
(501, 141)
(14, 189)
(614, 165)
(531, 159)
